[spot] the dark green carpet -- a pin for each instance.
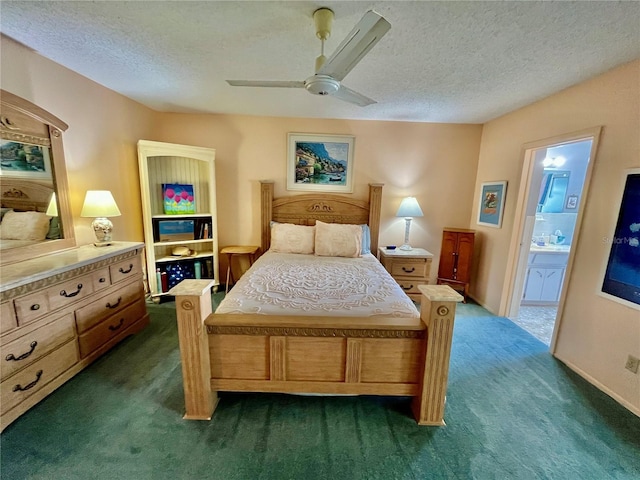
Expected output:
(512, 412)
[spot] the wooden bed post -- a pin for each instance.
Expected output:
(437, 311)
(193, 306)
(266, 192)
(375, 205)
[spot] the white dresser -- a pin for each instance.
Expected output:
(59, 312)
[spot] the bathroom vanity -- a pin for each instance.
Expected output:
(545, 274)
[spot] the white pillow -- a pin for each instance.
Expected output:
(24, 226)
(290, 238)
(337, 240)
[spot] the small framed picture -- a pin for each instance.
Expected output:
(491, 204)
(320, 163)
(572, 202)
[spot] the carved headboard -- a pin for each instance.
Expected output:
(24, 195)
(328, 208)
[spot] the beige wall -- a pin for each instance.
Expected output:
(100, 144)
(434, 162)
(596, 334)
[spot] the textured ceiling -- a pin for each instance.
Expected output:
(461, 62)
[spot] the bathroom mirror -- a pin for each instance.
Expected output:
(553, 191)
(36, 214)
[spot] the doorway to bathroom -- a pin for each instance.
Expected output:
(556, 175)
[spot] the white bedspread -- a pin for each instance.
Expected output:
(292, 284)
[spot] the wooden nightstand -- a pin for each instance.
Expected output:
(409, 268)
(238, 251)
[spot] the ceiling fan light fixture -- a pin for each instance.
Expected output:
(321, 85)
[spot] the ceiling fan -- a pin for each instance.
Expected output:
(330, 72)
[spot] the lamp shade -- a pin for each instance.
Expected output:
(99, 203)
(409, 208)
(52, 209)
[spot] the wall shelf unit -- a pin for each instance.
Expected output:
(164, 164)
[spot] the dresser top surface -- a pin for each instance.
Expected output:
(22, 273)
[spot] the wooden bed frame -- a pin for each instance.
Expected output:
(24, 195)
(315, 354)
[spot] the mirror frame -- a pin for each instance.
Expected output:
(10, 130)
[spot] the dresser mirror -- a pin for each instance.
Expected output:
(35, 208)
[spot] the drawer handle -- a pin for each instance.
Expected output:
(115, 305)
(407, 288)
(20, 388)
(35, 306)
(113, 328)
(405, 269)
(126, 271)
(102, 280)
(11, 356)
(63, 293)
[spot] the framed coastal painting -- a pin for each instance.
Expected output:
(491, 204)
(24, 160)
(320, 163)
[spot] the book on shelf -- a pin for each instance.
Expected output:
(178, 199)
(203, 229)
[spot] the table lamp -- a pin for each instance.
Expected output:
(100, 204)
(54, 225)
(408, 208)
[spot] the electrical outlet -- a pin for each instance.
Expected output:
(632, 364)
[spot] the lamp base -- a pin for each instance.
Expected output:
(103, 228)
(406, 246)
(102, 244)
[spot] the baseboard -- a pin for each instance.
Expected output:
(632, 408)
(482, 305)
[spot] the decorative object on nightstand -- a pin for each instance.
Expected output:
(100, 204)
(409, 208)
(456, 257)
(248, 252)
(410, 268)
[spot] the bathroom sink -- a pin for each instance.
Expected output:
(550, 248)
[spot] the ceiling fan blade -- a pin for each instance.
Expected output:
(352, 96)
(368, 31)
(265, 83)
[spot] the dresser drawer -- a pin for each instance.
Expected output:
(7, 318)
(70, 291)
(126, 269)
(35, 376)
(27, 349)
(111, 327)
(37, 304)
(410, 287)
(32, 307)
(101, 279)
(95, 312)
(410, 268)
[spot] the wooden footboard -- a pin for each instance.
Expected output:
(330, 355)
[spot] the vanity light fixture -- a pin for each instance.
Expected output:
(100, 204)
(409, 208)
(553, 162)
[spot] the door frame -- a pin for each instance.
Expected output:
(518, 254)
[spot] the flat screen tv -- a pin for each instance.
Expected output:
(622, 277)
